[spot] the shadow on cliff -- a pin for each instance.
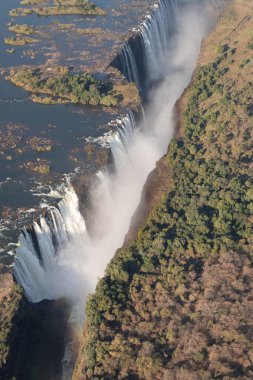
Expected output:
(36, 341)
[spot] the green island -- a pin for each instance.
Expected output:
(32, 2)
(20, 41)
(177, 303)
(22, 29)
(23, 32)
(66, 87)
(60, 7)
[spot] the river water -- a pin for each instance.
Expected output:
(65, 127)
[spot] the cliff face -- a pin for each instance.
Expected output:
(177, 303)
(10, 297)
(32, 336)
(158, 182)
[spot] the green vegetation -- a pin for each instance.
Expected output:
(176, 304)
(80, 30)
(61, 7)
(89, 30)
(10, 51)
(20, 41)
(45, 99)
(90, 9)
(244, 63)
(74, 3)
(41, 167)
(66, 26)
(20, 12)
(66, 87)
(22, 29)
(250, 44)
(32, 2)
(9, 307)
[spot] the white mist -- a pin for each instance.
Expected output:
(74, 270)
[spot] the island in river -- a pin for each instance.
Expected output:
(48, 132)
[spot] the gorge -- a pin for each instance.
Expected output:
(62, 257)
(52, 249)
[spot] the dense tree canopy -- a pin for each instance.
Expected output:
(177, 304)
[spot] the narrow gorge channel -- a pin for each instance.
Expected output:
(59, 256)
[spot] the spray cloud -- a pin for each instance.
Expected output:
(72, 270)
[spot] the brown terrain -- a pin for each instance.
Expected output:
(176, 303)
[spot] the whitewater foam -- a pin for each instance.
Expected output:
(57, 257)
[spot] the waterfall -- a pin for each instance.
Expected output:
(120, 140)
(57, 250)
(156, 32)
(128, 65)
(36, 255)
(56, 256)
(142, 57)
(37, 258)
